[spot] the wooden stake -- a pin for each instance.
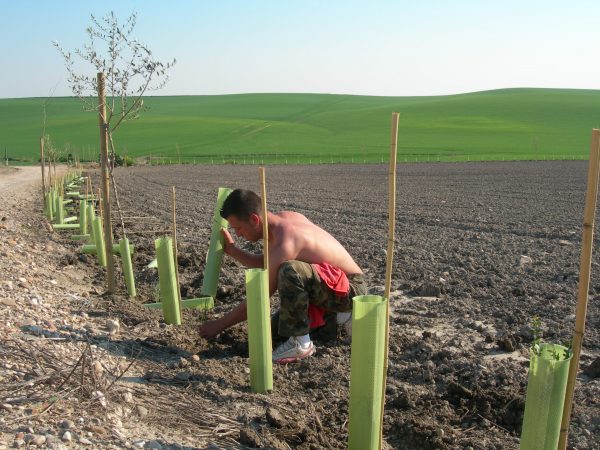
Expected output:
(390, 254)
(175, 249)
(584, 281)
(110, 267)
(263, 191)
(43, 164)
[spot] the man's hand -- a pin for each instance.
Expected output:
(228, 242)
(210, 329)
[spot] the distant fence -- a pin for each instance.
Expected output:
(345, 159)
(290, 159)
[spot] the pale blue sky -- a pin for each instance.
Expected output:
(385, 47)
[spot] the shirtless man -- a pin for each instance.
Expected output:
(306, 264)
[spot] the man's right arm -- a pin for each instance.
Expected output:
(247, 259)
(211, 328)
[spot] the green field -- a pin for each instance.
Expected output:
(250, 128)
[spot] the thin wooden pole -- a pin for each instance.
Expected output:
(390, 254)
(263, 191)
(43, 164)
(175, 247)
(110, 268)
(584, 281)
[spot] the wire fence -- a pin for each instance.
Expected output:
(308, 158)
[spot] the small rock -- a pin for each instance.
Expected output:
(249, 437)
(98, 369)
(139, 444)
(113, 326)
(274, 418)
(224, 291)
(153, 445)
(29, 438)
(85, 441)
(479, 325)
(564, 242)
(98, 395)
(128, 397)
(39, 440)
(18, 443)
(142, 411)
(183, 362)
(67, 424)
(195, 358)
(525, 260)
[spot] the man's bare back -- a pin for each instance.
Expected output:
(304, 241)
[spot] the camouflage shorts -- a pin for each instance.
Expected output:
(298, 285)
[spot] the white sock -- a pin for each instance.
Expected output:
(304, 341)
(343, 317)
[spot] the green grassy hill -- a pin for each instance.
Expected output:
(501, 124)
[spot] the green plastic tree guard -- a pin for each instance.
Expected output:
(366, 371)
(259, 330)
(50, 204)
(83, 224)
(61, 210)
(169, 290)
(214, 257)
(546, 386)
(127, 266)
(99, 236)
(91, 216)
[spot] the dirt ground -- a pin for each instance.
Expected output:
(481, 248)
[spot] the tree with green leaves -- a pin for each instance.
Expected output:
(129, 67)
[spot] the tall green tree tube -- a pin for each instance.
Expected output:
(127, 267)
(546, 386)
(91, 216)
(60, 207)
(214, 257)
(48, 206)
(366, 371)
(259, 330)
(83, 224)
(99, 236)
(169, 290)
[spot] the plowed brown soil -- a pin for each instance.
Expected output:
(463, 295)
(481, 248)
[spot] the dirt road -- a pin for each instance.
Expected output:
(15, 178)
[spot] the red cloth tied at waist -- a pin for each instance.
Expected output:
(337, 281)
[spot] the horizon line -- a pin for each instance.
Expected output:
(325, 93)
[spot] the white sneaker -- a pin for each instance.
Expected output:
(291, 351)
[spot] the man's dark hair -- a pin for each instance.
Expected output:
(241, 203)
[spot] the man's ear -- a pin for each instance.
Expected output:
(254, 219)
